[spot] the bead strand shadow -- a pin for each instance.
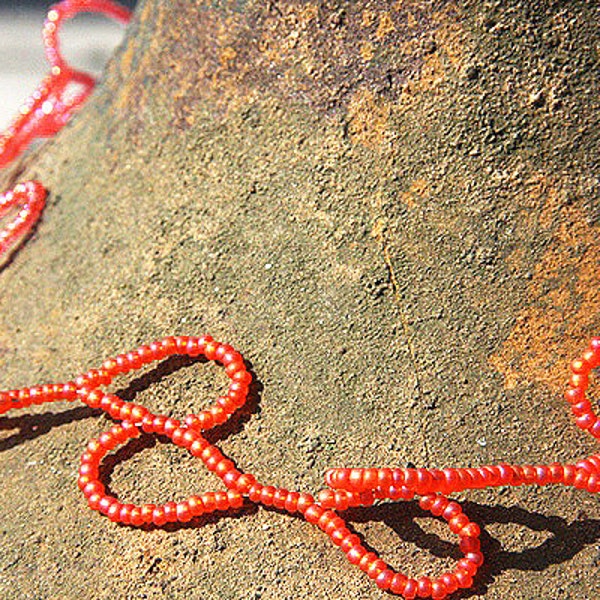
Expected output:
(31, 426)
(234, 424)
(566, 539)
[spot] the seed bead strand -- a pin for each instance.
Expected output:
(583, 475)
(346, 487)
(45, 112)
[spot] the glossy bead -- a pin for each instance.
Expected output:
(384, 579)
(470, 530)
(366, 561)
(410, 589)
(467, 566)
(195, 504)
(291, 502)
(183, 511)
(464, 579)
(458, 522)
(398, 583)
(423, 587)
(450, 582)
(159, 518)
(438, 590)
(355, 554)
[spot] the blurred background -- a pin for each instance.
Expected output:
(87, 40)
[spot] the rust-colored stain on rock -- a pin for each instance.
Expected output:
(564, 297)
(368, 119)
(417, 191)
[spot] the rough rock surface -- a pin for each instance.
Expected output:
(392, 209)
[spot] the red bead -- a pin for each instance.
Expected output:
(279, 498)
(210, 350)
(592, 356)
(136, 516)
(384, 579)
(304, 502)
(469, 544)
(146, 512)
(398, 583)
(450, 582)
(468, 566)
(458, 522)
(125, 513)
(423, 587)
(410, 589)
(355, 554)
(291, 502)
(170, 510)
(366, 561)
(184, 514)
(159, 516)
(438, 590)
(195, 505)
(451, 510)
(235, 499)
(469, 530)
(349, 542)
(209, 502)
(464, 579)
(439, 506)
(475, 557)
(313, 513)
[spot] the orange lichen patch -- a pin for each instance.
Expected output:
(515, 259)
(307, 14)
(367, 51)
(308, 51)
(564, 300)
(450, 35)
(450, 42)
(368, 119)
(368, 18)
(385, 27)
(432, 73)
(418, 189)
(227, 56)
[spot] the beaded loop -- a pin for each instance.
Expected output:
(346, 487)
(46, 112)
(27, 200)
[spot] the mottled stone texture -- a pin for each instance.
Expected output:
(393, 210)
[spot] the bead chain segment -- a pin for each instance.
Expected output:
(27, 201)
(44, 113)
(346, 487)
(63, 90)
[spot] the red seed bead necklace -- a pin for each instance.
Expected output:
(346, 488)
